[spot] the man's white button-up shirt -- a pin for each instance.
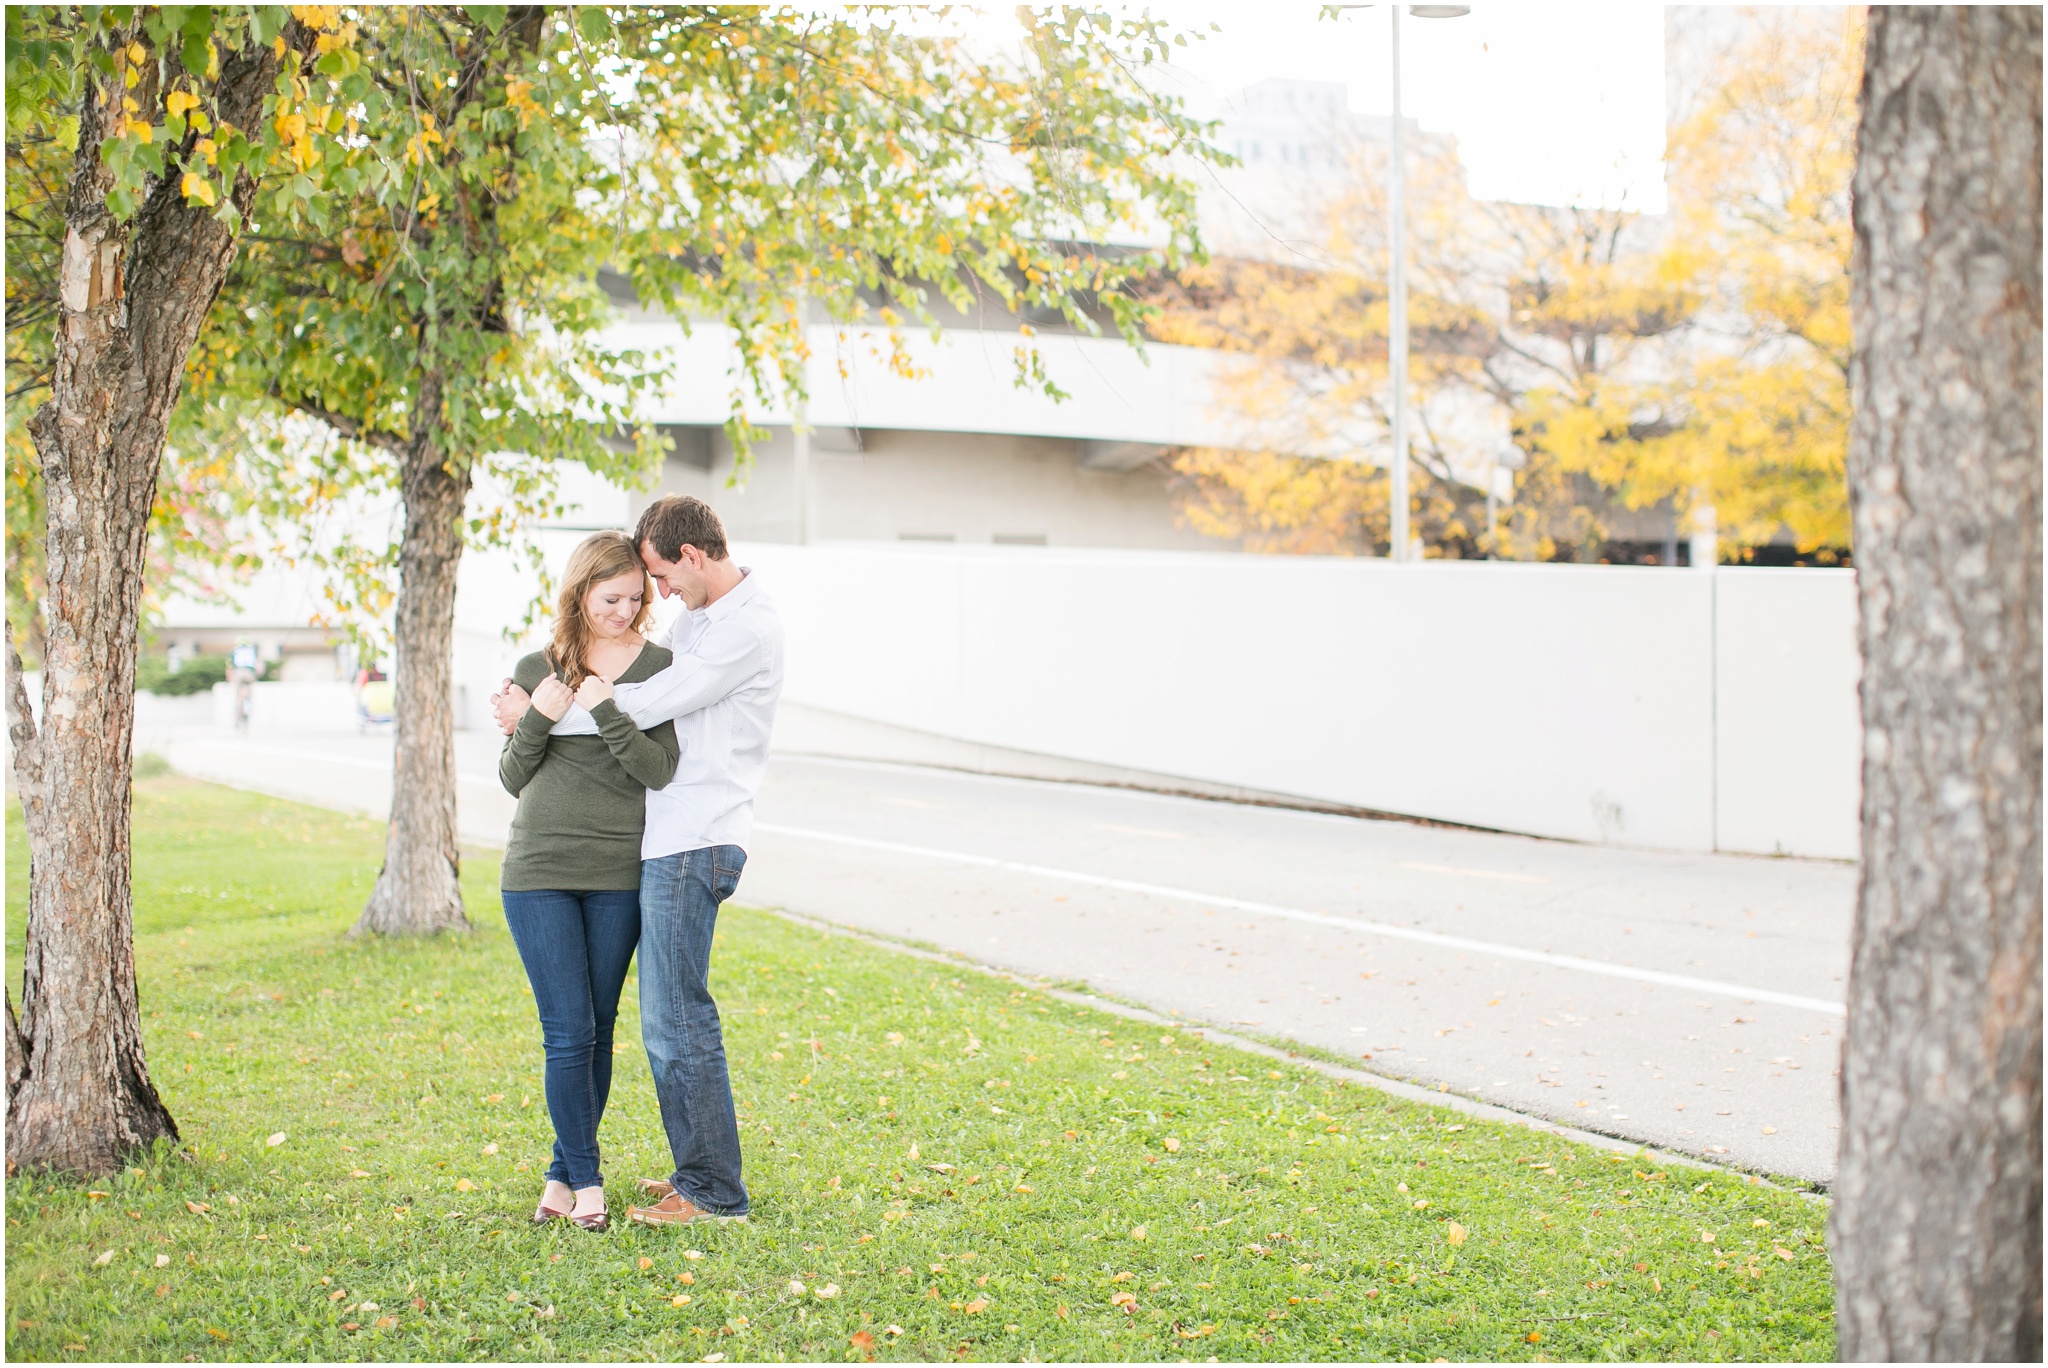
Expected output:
(721, 693)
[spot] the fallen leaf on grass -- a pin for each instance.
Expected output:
(1781, 1252)
(693, 1253)
(1535, 1337)
(163, 1261)
(358, 1173)
(1455, 1233)
(679, 1299)
(217, 1334)
(976, 1307)
(103, 1260)
(336, 1295)
(827, 1292)
(796, 1288)
(895, 1329)
(1172, 1145)
(276, 1139)
(94, 1196)
(464, 1185)
(303, 1249)
(490, 1149)
(861, 1340)
(387, 1322)
(197, 1208)
(350, 1325)
(1125, 1300)
(1138, 1232)
(646, 1262)
(686, 1279)
(1060, 1311)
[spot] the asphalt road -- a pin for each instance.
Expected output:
(1685, 1001)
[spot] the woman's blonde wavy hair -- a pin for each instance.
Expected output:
(599, 557)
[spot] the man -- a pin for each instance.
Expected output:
(721, 693)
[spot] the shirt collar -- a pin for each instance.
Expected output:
(733, 599)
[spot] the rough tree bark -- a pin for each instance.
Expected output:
(418, 891)
(133, 298)
(1937, 1221)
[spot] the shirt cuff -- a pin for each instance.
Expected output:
(575, 722)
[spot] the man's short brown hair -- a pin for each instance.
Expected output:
(675, 521)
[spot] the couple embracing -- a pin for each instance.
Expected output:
(635, 765)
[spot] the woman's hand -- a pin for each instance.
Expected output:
(551, 698)
(593, 691)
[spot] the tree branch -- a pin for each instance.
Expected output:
(348, 427)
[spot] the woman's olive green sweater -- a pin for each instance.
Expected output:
(582, 799)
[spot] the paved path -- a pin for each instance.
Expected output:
(1686, 1001)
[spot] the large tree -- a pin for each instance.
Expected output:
(447, 327)
(165, 119)
(1937, 1222)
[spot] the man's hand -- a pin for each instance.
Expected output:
(506, 706)
(551, 698)
(593, 691)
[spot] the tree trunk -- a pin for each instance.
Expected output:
(418, 890)
(133, 298)
(1937, 1221)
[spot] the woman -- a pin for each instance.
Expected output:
(571, 880)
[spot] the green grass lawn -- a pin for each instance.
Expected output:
(943, 1165)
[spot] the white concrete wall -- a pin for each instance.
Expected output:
(1789, 739)
(1597, 703)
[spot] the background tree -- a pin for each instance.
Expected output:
(1698, 360)
(1523, 317)
(445, 324)
(1936, 1228)
(164, 114)
(1753, 418)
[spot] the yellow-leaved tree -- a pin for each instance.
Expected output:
(1687, 362)
(1751, 420)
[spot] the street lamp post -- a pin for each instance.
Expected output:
(1397, 316)
(1397, 291)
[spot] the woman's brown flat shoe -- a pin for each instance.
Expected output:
(596, 1220)
(544, 1213)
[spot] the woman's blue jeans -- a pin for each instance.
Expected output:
(576, 947)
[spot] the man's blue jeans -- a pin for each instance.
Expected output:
(679, 898)
(576, 947)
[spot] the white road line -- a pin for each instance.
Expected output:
(1355, 924)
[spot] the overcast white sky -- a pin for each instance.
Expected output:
(1550, 103)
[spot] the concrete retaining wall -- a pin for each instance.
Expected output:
(1652, 707)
